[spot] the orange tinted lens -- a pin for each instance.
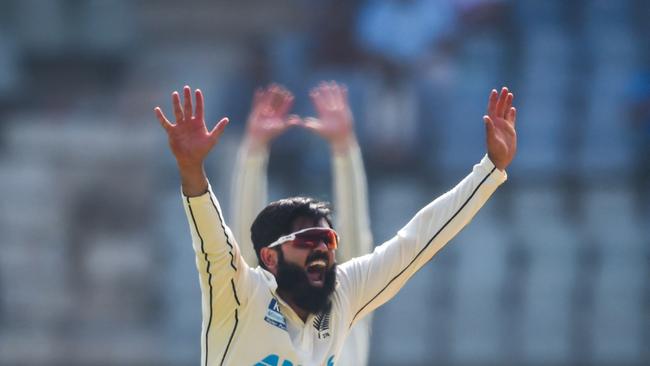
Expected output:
(313, 238)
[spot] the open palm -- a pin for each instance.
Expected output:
(268, 117)
(189, 139)
(334, 122)
(501, 135)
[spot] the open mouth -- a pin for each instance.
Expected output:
(316, 272)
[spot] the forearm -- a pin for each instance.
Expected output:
(351, 202)
(441, 220)
(379, 276)
(210, 234)
(223, 276)
(249, 194)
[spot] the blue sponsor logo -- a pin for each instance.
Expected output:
(274, 316)
(273, 360)
(330, 361)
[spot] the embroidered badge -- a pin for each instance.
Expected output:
(274, 316)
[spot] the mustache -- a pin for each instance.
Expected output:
(293, 279)
(317, 255)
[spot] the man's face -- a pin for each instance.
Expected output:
(314, 262)
(307, 275)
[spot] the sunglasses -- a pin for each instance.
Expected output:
(310, 238)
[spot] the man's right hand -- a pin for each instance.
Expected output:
(189, 139)
(268, 118)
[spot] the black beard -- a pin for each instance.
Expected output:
(292, 280)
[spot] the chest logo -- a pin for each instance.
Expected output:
(274, 316)
(322, 324)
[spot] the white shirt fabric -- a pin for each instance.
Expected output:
(246, 323)
(352, 222)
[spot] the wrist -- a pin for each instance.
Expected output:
(256, 145)
(344, 144)
(193, 179)
(190, 167)
(498, 163)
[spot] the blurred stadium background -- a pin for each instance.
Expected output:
(96, 266)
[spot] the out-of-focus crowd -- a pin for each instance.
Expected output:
(96, 265)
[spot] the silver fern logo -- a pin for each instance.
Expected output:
(322, 324)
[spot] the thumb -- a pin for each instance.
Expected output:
(218, 129)
(312, 124)
(294, 120)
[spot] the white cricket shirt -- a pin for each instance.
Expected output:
(246, 323)
(249, 197)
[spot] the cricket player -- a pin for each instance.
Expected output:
(268, 119)
(298, 306)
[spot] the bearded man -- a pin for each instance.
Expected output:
(298, 305)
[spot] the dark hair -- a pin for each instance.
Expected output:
(277, 219)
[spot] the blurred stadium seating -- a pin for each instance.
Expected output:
(96, 265)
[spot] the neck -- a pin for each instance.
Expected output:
(302, 313)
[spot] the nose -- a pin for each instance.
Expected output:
(321, 247)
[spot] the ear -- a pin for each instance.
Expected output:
(270, 259)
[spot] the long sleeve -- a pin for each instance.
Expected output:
(224, 276)
(351, 204)
(353, 226)
(248, 196)
(373, 279)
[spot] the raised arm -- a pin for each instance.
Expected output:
(224, 277)
(267, 120)
(335, 124)
(375, 278)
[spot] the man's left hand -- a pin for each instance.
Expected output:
(500, 131)
(334, 122)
